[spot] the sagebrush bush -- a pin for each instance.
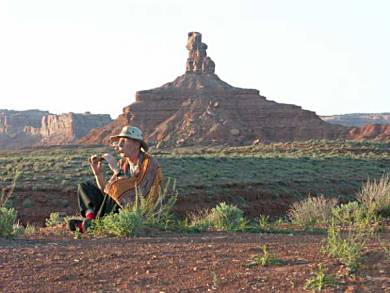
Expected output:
(225, 217)
(312, 210)
(348, 248)
(320, 280)
(348, 213)
(54, 219)
(158, 211)
(145, 211)
(126, 223)
(375, 196)
(8, 215)
(7, 221)
(353, 214)
(30, 229)
(264, 223)
(197, 221)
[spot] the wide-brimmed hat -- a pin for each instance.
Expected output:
(133, 133)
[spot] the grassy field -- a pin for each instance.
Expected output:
(333, 168)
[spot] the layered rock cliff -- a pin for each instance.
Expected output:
(370, 132)
(12, 127)
(358, 119)
(198, 108)
(20, 129)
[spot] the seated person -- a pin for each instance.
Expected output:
(137, 172)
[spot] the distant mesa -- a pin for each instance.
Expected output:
(358, 119)
(363, 126)
(20, 129)
(198, 108)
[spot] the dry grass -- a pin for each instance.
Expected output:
(375, 195)
(312, 210)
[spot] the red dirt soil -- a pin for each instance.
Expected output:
(52, 261)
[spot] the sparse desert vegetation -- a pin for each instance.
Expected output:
(278, 217)
(252, 178)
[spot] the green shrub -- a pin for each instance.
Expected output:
(347, 249)
(375, 196)
(18, 229)
(196, 222)
(226, 217)
(129, 221)
(8, 225)
(312, 210)
(126, 223)
(264, 223)
(354, 214)
(29, 230)
(266, 259)
(223, 217)
(347, 214)
(54, 220)
(320, 280)
(7, 221)
(158, 211)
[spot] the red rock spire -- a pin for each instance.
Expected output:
(197, 60)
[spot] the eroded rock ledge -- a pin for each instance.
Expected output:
(20, 129)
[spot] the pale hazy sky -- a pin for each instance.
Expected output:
(75, 55)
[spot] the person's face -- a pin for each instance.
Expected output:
(127, 147)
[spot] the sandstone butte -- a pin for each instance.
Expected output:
(198, 108)
(19, 129)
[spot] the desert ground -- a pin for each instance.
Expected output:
(203, 262)
(260, 180)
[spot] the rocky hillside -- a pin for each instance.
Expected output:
(20, 129)
(370, 131)
(358, 119)
(198, 108)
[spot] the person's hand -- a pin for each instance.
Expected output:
(111, 162)
(96, 164)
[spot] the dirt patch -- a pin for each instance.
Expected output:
(34, 207)
(251, 198)
(52, 261)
